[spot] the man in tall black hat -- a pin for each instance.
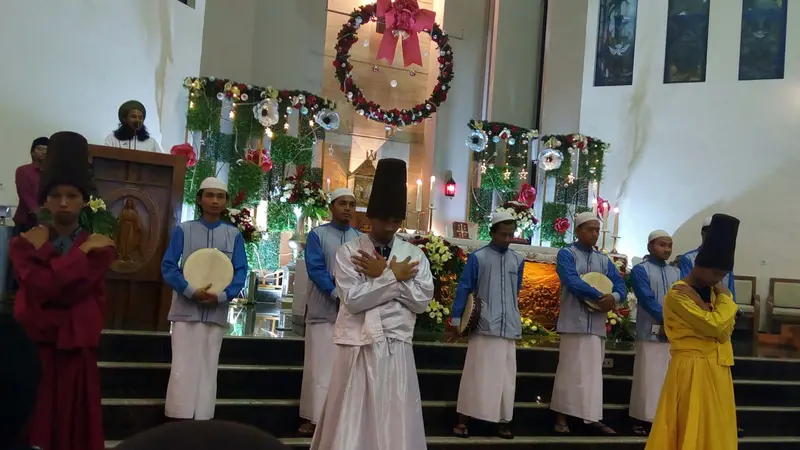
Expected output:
(61, 273)
(383, 282)
(132, 132)
(697, 408)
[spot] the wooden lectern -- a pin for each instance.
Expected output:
(144, 190)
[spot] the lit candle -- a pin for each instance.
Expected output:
(604, 213)
(616, 222)
(329, 184)
(433, 181)
(419, 196)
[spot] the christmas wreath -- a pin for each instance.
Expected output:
(404, 19)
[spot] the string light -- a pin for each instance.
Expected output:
(523, 174)
(191, 104)
(483, 168)
(286, 126)
(311, 123)
(232, 114)
(507, 174)
(268, 132)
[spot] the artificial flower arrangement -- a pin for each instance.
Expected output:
(531, 327)
(435, 318)
(307, 195)
(94, 218)
(619, 326)
(242, 219)
(447, 261)
(523, 214)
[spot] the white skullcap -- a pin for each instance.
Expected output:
(213, 183)
(584, 217)
(707, 222)
(341, 192)
(657, 234)
(501, 216)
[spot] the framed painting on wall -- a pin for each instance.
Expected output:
(616, 39)
(686, 51)
(762, 46)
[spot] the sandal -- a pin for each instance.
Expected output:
(504, 432)
(640, 430)
(600, 429)
(561, 429)
(461, 431)
(307, 429)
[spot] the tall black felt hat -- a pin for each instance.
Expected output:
(719, 247)
(388, 197)
(67, 162)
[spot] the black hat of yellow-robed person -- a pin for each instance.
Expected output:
(67, 162)
(388, 197)
(719, 247)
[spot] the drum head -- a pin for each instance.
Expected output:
(599, 281)
(208, 265)
(470, 316)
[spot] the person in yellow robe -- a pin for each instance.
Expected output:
(697, 409)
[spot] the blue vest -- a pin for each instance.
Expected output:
(497, 278)
(659, 277)
(574, 315)
(321, 246)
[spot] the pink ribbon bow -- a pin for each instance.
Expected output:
(404, 18)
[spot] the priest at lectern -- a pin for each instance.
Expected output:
(132, 132)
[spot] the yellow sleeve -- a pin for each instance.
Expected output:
(712, 324)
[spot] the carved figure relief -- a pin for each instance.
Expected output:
(129, 238)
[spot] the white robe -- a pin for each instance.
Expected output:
(192, 389)
(649, 371)
(578, 387)
(488, 382)
(149, 145)
(373, 401)
(317, 367)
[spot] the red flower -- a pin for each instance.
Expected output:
(608, 328)
(187, 151)
(624, 312)
(561, 225)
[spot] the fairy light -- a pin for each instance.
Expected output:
(191, 104)
(286, 126)
(506, 174)
(523, 174)
(268, 132)
(232, 114)
(311, 123)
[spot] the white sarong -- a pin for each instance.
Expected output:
(489, 379)
(373, 402)
(192, 389)
(317, 367)
(649, 371)
(578, 387)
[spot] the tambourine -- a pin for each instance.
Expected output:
(600, 282)
(470, 316)
(208, 266)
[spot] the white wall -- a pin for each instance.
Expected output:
(69, 64)
(681, 152)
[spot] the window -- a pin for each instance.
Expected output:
(616, 38)
(687, 41)
(762, 48)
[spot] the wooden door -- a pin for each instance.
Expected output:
(144, 190)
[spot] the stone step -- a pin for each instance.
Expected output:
(118, 346)
(558, 443)
(149, 380)
(126, 417)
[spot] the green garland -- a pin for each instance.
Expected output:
(313, 175)
(550, 212)
(247, 177)
(494, 179)
(221, 147)
(280, 217)
(203, 113)
(590, 166)
(270, 250)
(204, 168)
(517, 139)
(287, 149)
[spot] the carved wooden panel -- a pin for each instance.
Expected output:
(144, 191)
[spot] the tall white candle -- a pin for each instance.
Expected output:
(433, 181)
(594, 206)
(604, 213)
(419, 196)
(616, 222)
(328, 182)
